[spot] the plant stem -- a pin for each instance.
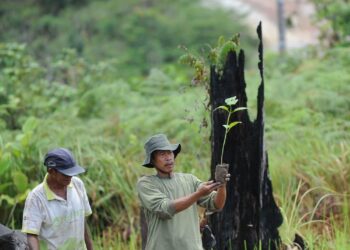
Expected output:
(226, 132)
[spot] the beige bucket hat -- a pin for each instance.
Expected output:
(158, 142)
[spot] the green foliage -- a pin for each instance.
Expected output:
(25, 91)
(14, 155)
(201, 71)
(307, 109)
(17, 69)
(140, 35)
(54, 7)
(219, 54)
(336, 14)
(20, 180)
(215, 57)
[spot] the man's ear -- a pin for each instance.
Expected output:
(51, 170)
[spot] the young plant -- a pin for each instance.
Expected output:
(228, 107)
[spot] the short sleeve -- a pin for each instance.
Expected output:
(82, 192)
(33, 215)
(153, 199)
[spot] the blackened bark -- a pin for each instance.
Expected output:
(250, 217)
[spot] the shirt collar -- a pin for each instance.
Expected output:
(171, 176)
(50, 195)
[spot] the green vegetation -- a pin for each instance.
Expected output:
(308, 138)
(333, 17)
(103, 99)
(138, 35)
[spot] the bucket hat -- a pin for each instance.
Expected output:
(63, 161)
(158, 142)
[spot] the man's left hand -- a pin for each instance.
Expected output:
(227, 179)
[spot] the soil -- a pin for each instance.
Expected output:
(220, 172)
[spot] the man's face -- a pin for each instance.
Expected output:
(59, 178)
(163, 161)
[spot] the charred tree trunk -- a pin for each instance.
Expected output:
(250, 217)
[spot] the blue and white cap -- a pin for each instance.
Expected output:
(63, 161)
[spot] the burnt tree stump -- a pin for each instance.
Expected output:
(250, 217)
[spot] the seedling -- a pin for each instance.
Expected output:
(230, 102)
(228, 107)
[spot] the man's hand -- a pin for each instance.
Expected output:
(204, 189)
(226, 178)
(87, 237)
(207, 187)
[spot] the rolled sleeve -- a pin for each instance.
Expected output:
(33, 215)
(154, 200)
(207, 201)
(87, 206)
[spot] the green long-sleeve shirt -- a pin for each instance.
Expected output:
(167, 230)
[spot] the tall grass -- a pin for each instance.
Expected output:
(309, 148)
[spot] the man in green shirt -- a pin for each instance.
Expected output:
(169, 199)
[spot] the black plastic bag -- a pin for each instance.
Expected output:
(208, 239)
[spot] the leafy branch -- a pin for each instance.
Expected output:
(216, 56)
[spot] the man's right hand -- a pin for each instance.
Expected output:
(207, 187)
(204, 189)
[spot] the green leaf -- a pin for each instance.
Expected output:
(232, 124)
(30, 124)
(212, 56)
(4, 163)
(222, 107)
(5, 186)
(239, 109)
(225, 126)
(11, 201)
(20, 180)
(221, 41)
(16, 150)
(224, 50)
(25, 140)
(231, 101)
(104, 199)
(21, 197)
(19, 137)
